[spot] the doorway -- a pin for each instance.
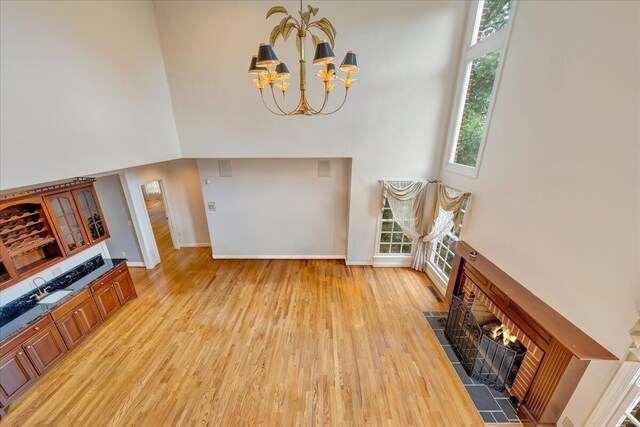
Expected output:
(155, 202)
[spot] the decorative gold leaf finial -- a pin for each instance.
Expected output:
(276, 9)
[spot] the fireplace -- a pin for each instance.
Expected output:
(489, 352)
(542, 356)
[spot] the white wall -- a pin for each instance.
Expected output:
(556, 202)
(123, 241)
(392, 124)
(277, 208)
(83, 90)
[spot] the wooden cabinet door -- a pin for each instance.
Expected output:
(70, 329)
(124, 288)
(45, 348)
(88, 316)
(107, 300)
(66, 220)
(16, 375)
(91, 214)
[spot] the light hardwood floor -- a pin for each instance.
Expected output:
(257, 342)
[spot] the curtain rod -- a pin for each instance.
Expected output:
(429, 181)
(381, 181)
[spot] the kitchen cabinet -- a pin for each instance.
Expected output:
(77, 318)
(45, 348)
(106, 299)
(124, 288)
(66, 221)
(39, 227)
(16, 375)
(27, 240)
(30, 353)
(91, 214)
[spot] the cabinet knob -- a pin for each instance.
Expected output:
(28, 347)
(75, 312)
(19, 353)
(37, 328)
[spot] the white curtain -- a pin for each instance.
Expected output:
(407, 202)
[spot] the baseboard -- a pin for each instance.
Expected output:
(195, 245)
(347, 262)
(392, 261)
(135, 264)
(218, 256)
(437, 280)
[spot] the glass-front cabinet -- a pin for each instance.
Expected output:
(90, 214)
(41, 226)
(66, 220)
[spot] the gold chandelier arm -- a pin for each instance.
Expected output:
(324, 104)
(267, 107)
(273, 95)
(346, 92)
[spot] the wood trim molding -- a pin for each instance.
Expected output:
(562, 330)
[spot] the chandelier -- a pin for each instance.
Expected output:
(270, 71)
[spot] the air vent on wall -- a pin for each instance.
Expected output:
(324, 169)
(224, 166)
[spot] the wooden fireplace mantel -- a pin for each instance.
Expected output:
(568, 350)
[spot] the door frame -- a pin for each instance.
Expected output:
(167, 209)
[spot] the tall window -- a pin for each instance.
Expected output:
(482, 60)
(391, 238)
(441, 255)
(628, 413)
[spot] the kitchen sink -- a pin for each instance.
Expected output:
(56, 296)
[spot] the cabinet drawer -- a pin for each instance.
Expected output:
(68, 306)
(11, 343)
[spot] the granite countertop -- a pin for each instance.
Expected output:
(25, 310)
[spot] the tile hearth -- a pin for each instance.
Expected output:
(494, 406)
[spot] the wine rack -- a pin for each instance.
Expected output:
(26, 238)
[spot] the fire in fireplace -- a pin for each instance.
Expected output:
(488, 350)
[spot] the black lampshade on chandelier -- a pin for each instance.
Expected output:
(270, 71)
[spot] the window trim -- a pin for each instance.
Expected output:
(380, 255)
(468, 53)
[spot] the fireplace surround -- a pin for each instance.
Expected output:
(488, 351)
(557, 352)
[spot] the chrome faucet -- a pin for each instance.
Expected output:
(40, 293)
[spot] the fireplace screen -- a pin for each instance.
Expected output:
(488, 353)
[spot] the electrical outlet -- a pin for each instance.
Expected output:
(56, 271)
(124, 254)
(211, 206)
